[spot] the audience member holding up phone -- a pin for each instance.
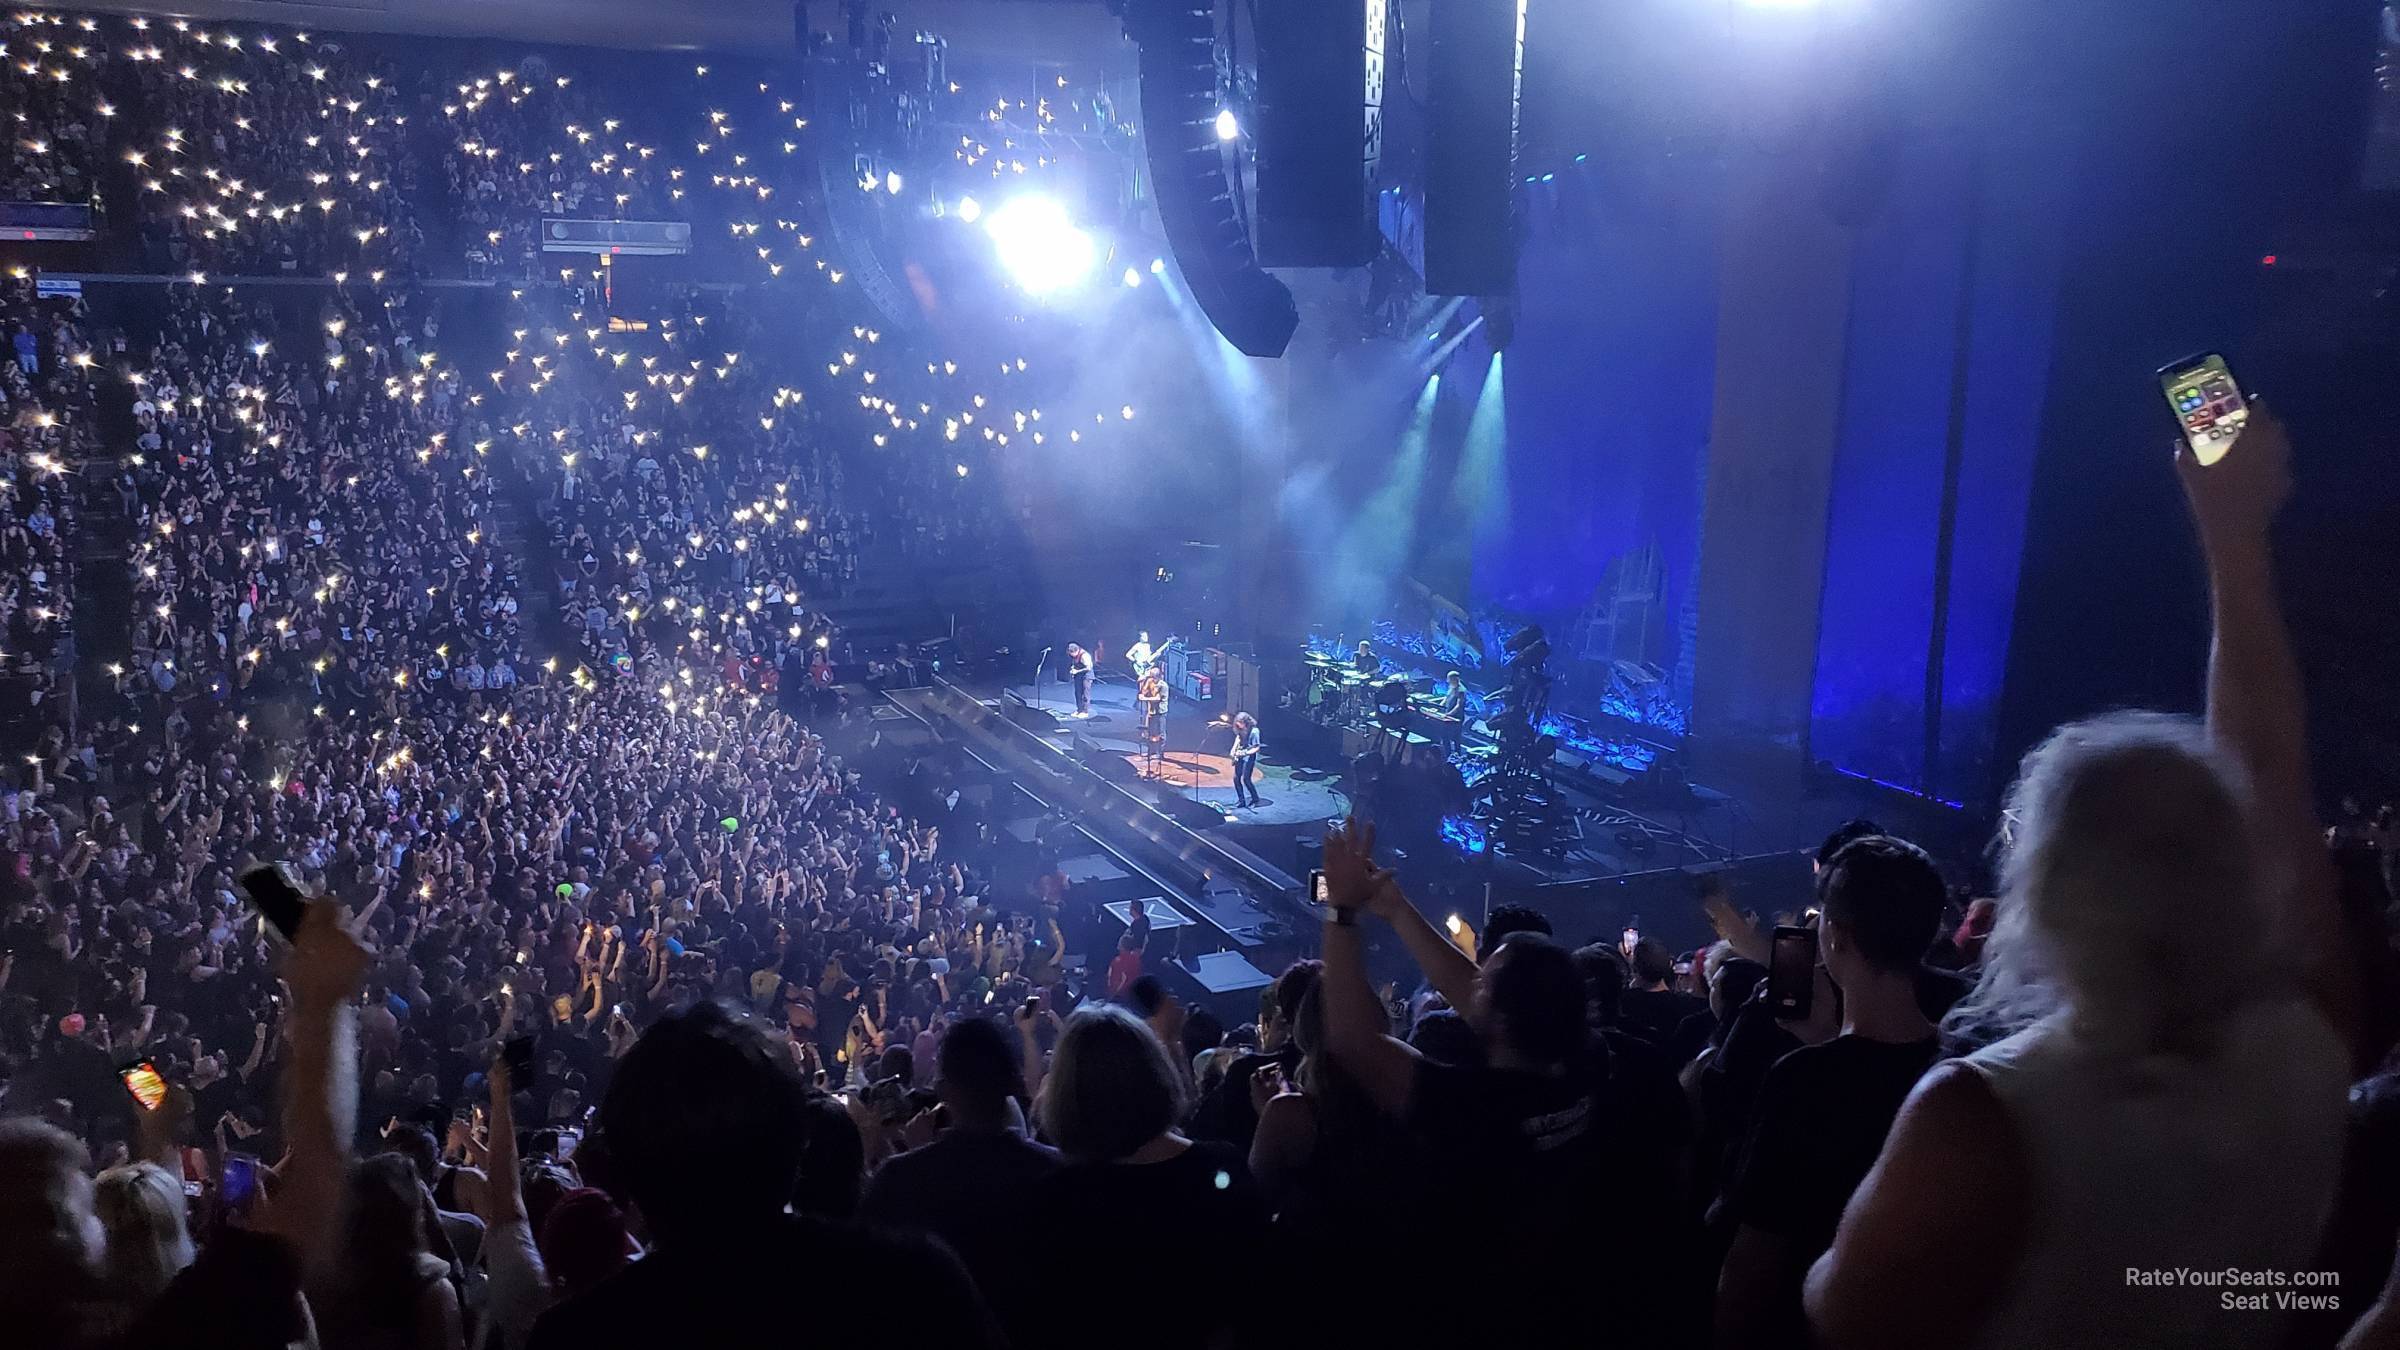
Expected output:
(2169, 955)
(1824, 1108)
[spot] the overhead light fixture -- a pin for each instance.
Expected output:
(1040, 245)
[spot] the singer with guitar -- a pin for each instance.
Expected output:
(1245, 759)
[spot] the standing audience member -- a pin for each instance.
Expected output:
(141, 1209)
(1651, 1007)
(974, 1181)
(51, 1241)
(706, 1128)
(1526, 1142)
(2167, 974)
(1111, 1102)
(1826, 1106)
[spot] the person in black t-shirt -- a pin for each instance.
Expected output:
(972, 1185)
(1225, 1113)
(1825, 1108)
(1527, 1148)
(1651, 1008)
(1111, 1102)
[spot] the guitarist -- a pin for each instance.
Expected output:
(1245, 759)
(1141, 655)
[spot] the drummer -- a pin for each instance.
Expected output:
(1365, 663)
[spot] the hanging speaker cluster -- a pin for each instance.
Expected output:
(1211, 243)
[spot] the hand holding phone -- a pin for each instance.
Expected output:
(517, 1053)
(141, 1078)
(2209, 404)
(237, 1185)
(1792, 972)
(277, 898)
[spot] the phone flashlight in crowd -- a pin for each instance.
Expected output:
(1319, 890)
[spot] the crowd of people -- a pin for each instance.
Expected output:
(256, 151)
(476, 914)
(51, 424)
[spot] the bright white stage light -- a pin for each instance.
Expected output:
(1158, 267)
(970, 210)
(1039, 245)
(891, 182)
(1132, 278)
(1227, 127)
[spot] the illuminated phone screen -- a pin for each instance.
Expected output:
(2208, 404)
(147, 1087)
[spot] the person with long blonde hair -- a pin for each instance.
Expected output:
(2175, 1010)
(141, 1209)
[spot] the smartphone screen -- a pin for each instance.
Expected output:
(1792, 972)
(2208, 404)
(142, 1080)
(237, 1183)
(277, 900)
(517, 1053)
(1318, 891)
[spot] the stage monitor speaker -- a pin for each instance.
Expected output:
(1471, 152)
(1039, 721)
(1178, 64)
(1319, 131)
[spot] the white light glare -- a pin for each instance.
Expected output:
(970, 210)
(892, 183)
(1227, 127)
(1132, 277)
(1039, 245)
(1158, 267)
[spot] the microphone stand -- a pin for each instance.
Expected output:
(1040, 664)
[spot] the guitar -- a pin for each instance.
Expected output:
(1158, 656)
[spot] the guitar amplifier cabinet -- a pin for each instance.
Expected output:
(1243, 684)
(1189, 676)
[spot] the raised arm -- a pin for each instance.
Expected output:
(2255, 706)
(1354, 1031)
(504, 1190)
(324, 970)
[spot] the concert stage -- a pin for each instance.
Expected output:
(1236, 916)
(1198, 765)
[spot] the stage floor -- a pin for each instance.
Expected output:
(1198, 764)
